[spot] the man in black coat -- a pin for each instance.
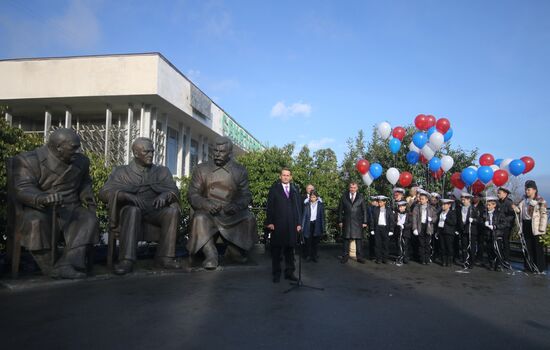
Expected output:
(284, 212)
(352, 218)
(505, 206)
(382, 225)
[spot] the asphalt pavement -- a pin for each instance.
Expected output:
(238, 307)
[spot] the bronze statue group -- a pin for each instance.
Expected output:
(51, 194)
(52, 197)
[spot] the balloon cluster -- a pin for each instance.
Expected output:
(370, 172)
(394, 136)
(490, 171)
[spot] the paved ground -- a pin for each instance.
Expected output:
(363, 307)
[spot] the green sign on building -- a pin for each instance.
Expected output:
(239, 136)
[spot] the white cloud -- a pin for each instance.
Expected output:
(321, 143)
(298, 109)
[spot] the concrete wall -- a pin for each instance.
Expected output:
(79, 76)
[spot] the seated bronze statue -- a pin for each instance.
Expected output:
(219, 196)
(139, 193)
(52, 185)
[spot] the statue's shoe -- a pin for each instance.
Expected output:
(210, 264)
(168, 263)
(66, 272)
(124, 267)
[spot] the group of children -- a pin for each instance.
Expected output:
(452, 231)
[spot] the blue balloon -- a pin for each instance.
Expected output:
(395, 145)
(431, 131)
(435, 164)
(469, 176)
(413, 157)
(420, 139)
(375, 170)
(517, 166)
(447, 136)
(485, 174)
(498, 161)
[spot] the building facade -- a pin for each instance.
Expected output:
(110, 100)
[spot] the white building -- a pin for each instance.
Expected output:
(110, 100)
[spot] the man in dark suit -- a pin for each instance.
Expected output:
(56, 175)
(352, 218)
(284, 212)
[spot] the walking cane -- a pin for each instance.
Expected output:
(54, 232)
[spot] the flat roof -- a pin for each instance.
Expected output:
(126, 55)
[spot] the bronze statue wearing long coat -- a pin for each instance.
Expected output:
(39, 172)
(146, 183)
(226, 185)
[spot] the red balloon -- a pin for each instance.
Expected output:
(399, 133)
(442, 125)
(437, 174)
(500, 177)
(430, 121)
(405, 179)
(486, 159)
(362, 166)
(478, 187)
(529, 164)
(421, 122)
(456, 181)
(423, 159)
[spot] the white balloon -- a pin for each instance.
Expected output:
(412, 147)
(392, 175)
(367, 178)
(505, 163)
(494, 167)
(427, 152)
(437, 140)
(384, 130)
(447, 163)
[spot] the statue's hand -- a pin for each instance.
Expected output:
(230, 209)
(49, 199)
(135, 200)
(212, 207)
(161, 201)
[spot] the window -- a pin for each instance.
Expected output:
(172, 151)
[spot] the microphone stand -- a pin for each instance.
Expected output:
(299, 284)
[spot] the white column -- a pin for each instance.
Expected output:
(145, 130)
(187, 151)
(181, 161)
(47, 124)
(9, 118)
(68, 118)
(129, 134)
(200, 149)
(108, 125)
(165, 136)
(141, 119)
(153, 132)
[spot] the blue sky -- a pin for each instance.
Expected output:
(314, 72)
